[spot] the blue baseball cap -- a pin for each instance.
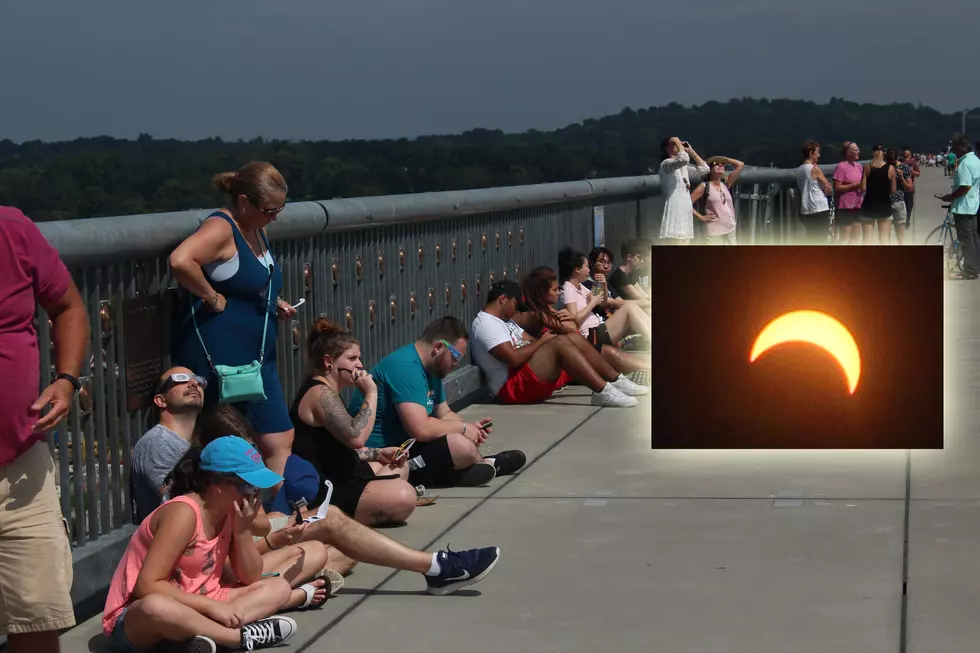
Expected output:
(301, 482)
(233, 455)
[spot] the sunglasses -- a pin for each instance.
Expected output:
(452, 351)
(180, 379)
(246, 489)
(275, 211)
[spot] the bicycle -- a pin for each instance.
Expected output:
(945, 235)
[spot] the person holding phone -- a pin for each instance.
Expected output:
(675, 185)
(964, 205)
(368, 483)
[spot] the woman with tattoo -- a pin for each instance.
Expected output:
(333, 440)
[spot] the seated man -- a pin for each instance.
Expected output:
(412, 404)
(626, 280)
(524, 370)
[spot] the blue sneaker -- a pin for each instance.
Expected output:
(461, 568)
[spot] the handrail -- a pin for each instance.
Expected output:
(134, 237)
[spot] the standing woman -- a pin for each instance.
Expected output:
(675, 185)
(847, 184)
(716, 193)
(230, 319)
(877, 185)
(814, 191)
(903, 184)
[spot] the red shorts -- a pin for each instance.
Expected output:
(524, 387)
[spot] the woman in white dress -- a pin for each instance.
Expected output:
(675, 185)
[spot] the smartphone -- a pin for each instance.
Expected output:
(487, 424)
(300, 302)
(404, 449)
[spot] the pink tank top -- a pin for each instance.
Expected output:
(198, 570)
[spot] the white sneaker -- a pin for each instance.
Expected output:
(267, 632)
(627, 387)
(610, 397)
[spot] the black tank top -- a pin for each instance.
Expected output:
(332, 458)
(876, 199)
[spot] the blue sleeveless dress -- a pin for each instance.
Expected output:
(234, 336)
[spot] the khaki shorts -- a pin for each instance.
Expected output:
(35, 551)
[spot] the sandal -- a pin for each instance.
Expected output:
(425, 501)
(311, 589)
(335, 577)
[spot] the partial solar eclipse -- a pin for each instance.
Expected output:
(817, 329)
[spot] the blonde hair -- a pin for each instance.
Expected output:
(257, 181)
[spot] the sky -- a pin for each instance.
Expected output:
(323, 69)
(707, 393)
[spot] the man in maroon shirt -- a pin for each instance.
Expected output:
(35, 548)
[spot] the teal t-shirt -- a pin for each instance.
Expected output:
(400, 378)
(967, 174)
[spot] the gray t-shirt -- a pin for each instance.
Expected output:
(154, 456)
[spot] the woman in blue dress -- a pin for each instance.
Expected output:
(226, 268)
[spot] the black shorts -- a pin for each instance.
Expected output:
(598, 337)
(847, 217)
(437, 461)
(347, 494)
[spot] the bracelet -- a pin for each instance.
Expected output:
(464, 428)
(268, 543)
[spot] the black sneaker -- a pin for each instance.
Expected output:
(267, 632)
(478, 474)
(457, 569)
(508, 462)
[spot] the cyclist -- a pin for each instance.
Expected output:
(964, 205)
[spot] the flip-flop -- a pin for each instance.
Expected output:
(335, 577)
(310, 589)
(426, 501)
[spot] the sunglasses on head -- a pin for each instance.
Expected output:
(452, 351)
(180, 379)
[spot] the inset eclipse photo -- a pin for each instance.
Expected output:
(803, 347)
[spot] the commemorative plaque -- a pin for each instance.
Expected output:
(143, 334)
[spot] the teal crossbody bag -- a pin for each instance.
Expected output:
(242, 382)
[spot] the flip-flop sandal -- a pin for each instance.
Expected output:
(426, 501)
(311, 589)
(335, 577)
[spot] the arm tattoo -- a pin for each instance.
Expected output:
(337, 420)
(369, 454)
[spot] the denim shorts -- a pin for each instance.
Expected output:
(118, 636)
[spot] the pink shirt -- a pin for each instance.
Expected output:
(580, 296)
(30, 271)
(198, 570)
(848, 172)
(719, 202)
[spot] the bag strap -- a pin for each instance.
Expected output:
(265, 326)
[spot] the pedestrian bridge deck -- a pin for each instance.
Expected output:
(606, 543)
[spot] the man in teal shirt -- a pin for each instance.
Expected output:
(412, 404)
(964, 205)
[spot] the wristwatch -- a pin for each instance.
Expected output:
(75, 383)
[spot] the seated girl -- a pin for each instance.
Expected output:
(277, 528)
(540, 288)
(333, 440)
(168, 585)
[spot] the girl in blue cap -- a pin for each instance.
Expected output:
(169, 586)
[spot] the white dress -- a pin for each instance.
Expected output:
(675, 185)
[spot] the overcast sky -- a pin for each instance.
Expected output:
(315, 69)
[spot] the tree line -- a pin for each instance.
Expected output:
(90, 177)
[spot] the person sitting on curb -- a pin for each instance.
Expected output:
(412, 403)
(168, 585)
(524, 370)
(444, 571)
(540, 288)
(334, 441)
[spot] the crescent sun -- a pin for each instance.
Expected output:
(818, 329)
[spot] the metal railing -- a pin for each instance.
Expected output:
(384, 266)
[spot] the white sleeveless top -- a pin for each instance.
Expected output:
(814, 200)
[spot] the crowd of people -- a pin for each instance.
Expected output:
(869, 199)
(248, 506)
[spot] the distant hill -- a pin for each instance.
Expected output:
(107, 176)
